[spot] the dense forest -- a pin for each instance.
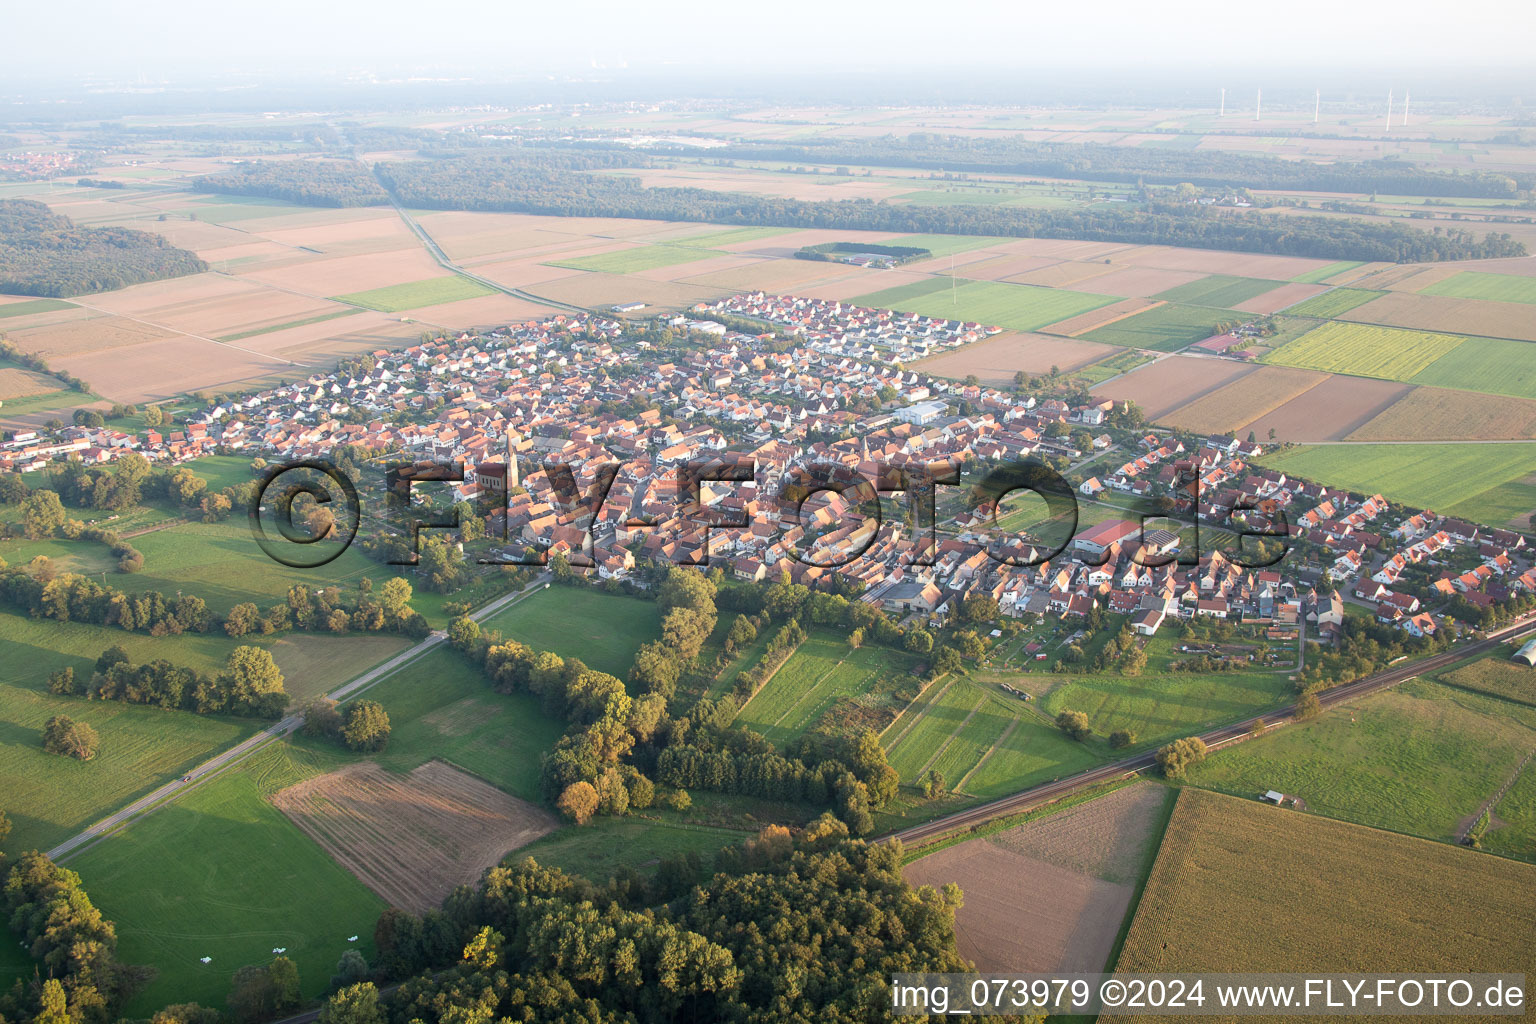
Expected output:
(44, 254)
(551, 183)
(310, 182)
(798, 928)
(1091, 161)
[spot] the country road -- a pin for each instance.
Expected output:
(208, 769)
(437, 253)
(1050, 792)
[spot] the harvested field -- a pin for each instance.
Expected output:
(593, 290)
(1167, 384)
(19, 383)
(1452, 315)
(1439, 414)
(1050, 895)
(1423, 277)
(1102, 317)
(83, 337)
(161, 369)
(1237, 264)
(636, 258)
(1323, 273)
(1063, 275)
(1330, 411)
(1232, 407)
(1141, 282)
(343, 275)
(412, 838)
(997, 359)
(1242, 886)
(771, 276)
(1278, 298)
(493, 310)
(986, 265)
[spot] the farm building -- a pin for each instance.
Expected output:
(1097, 539)
(1527, 653)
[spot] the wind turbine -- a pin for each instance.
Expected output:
(1389, 110)
(1317, 104)
(1406, 97)
(1223, 111)
(1258, 103)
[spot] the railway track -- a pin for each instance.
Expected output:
(1050, 792)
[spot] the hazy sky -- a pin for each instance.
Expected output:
(161, 40)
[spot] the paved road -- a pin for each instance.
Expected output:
(1055, 790)
(213, 766)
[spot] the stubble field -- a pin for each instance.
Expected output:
(1241, 886)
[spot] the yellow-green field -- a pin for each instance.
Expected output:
(1366, 350)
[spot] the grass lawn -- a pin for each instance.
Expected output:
(822, 670)
(1165, 328)
(1495, 674)
(644, 257)
(1334, 302)
(440, 706)
(985, 742)
(1418, 758)
(315, 663)
(1436, 476)
(222, 873)
(31, 306)
(599, 849)
(1513, 831)
(1161, 706)
(1321, 274)
(221, 471)
(1218, 290)
(603, 630)
(1018, 307)
(431, 292)
(1241, 886)
(1468, 284)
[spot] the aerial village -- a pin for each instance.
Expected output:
(822, 383)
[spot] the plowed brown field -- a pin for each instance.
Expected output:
(412, 838)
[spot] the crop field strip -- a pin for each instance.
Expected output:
(1219, 290)
(644, 257)
(1019, 307)
(1322, 274)
(1492, 365)
(1467, 284)
(1166, 328)
(431, 292)
(1333, 302)
(806, 686)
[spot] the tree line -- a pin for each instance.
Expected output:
(1094, 161)
(42, 253)
(38, 364)
(72, 597)
(785, 928)
(80, 979)
(552, 184)
(250, 685)
(337, 183)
